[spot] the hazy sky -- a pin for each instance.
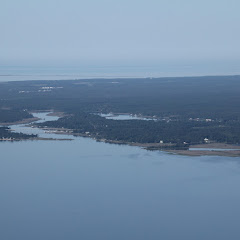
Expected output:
(118, 30)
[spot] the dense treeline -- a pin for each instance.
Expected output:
(149, 131)
(175, 99)
(207, 97)
(11, 115)
(6, 134)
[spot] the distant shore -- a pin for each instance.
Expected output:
(24, 121)
(34, 119)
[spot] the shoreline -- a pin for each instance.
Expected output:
(234, 152)
(216, 145)
(166, 147)
(24, 121)
(52, 139)
(198, 153)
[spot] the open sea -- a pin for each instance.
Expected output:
(161, 69)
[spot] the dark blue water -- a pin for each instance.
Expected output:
(88, 190)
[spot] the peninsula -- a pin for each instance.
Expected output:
(170, 113)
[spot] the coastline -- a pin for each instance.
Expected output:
(197, 153)
(163, 147)
(216, 145)
(199, 149)
(24, 121)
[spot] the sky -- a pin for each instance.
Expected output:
(114, 31)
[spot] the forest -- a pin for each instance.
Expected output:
(140, 131)
(6, 134)
(12, 115)
(188, 109)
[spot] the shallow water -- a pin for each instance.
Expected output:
(84, 189)
(213, 149)
(124, 117)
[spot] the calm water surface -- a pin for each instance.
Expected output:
(88, 190)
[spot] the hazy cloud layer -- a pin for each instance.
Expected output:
(126, 30)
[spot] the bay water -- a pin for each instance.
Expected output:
(83, 189)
